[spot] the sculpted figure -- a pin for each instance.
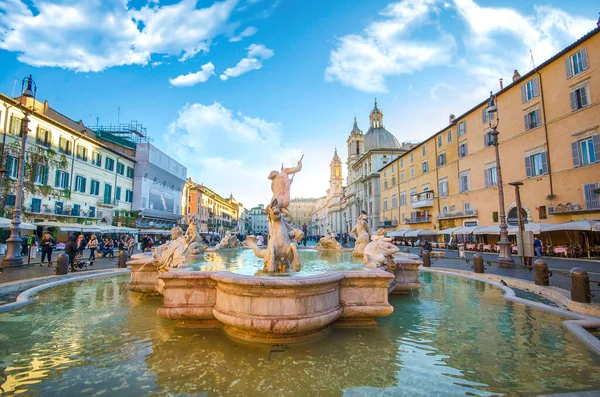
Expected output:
(228, 241)
(280, 185)
(177, 252)
(328, 242)
(361, 232)
(281, 252)
(379, 252)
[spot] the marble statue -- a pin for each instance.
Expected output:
(229, 241)
(361, 232)
(280, 186)
(281, 252)
(380, 251)
(328, 242)
(179, 251)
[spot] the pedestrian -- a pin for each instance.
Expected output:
(71, 251)
(81, 243)
(130, 245)
(24, 246)
(537, 245)
(93, 245)
(48, 244)
(144, 242)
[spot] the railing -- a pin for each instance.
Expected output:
(106, 202)
(388, 224)
(573, 208)
(61, 212)
(422, 203)
(458, 214)
(418, 219)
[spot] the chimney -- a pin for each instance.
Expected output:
(501, 85)
(451, 119)
(516, 75)
(46, 106)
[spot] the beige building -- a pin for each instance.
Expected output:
(302, 210)
(549, 140)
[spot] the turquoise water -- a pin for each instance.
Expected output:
(312, 261)
(454, 338)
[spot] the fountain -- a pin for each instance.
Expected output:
(328, 242)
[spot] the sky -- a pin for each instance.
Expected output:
(234, 88)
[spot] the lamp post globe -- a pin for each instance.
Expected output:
(12, 257)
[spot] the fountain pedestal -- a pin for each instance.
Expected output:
(144, 274)
(406, 275)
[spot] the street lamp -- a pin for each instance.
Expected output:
(13, 257)
(520, 242)
(505, 259)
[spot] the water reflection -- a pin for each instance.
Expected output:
(456, 337)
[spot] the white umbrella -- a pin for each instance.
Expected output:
(426, 232)
(465, 230)
(5, 223)
(493, 229)
(450, 231)
(584, 226)
(535, 227)
(411, 233)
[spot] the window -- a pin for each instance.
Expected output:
(43, 137)
(401, 162)
(536, 165)
(530, 90)
(412, 158)
(81, 153)
(64, 146)
(12, 167)
(16, 125)
(120, 168)
(130, 172)
(449, 136)
(579, 98)
(403, 199)
(392, 167)
(109, 164)
(80, 183)
(97, 159)
(118, 192)
(393, 181)
(441, 159)
(461, 128)
(586, 151)
(532, 119)
(385, 205)
(592, 200)
(488, 139)
(10, 200)
(439, 139)
(128, 196)
(384, 184)
(543, 214)
(425, 166)
(402, 176)
(394, 202)
(95, 188)
(108, 193)
(443, 188)
(467, 207)
(462, 150)
(577, 63)
(485, 116)
(490, 177)
(424, 150)
(464, 181)
(61, 179)
(412, 172)
(41, 174)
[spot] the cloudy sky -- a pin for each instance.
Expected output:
(234, 88)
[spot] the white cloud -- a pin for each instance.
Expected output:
(92, 35)
(246, 150)
(384, 48)
(257, 53)
(248, 32)
(191, 79)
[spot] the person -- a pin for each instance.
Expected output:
(537, 245)
(144, 242)
(130, 245)
(81, 243)
(280, 186)
(24, 246)
(48, 244)
(93, 245)
(71, 251)
(426, 247)
(108, 249)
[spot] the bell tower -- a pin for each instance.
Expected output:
(356, 144)
(376, 117)
(335, 174)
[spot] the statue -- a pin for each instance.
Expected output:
(229, 241)
(281, 252)
(379, 252)
(328, 242)
(181, 248)
(280, 186)
(361, 232)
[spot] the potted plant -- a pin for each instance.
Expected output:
(551, 196)
(597, 190)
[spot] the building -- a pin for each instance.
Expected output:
(302, 210)
(258, 221)
(158, 186)
(70, 175)
(549, 141)
(216, 214)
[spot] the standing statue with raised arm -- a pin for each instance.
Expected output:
(280, 185)
(362, 234)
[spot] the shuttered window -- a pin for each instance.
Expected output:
(490, 177)
(439, 139)
(15, 125)
(61, 179)
(461, 128)
(443, 188)
(425, 166)
(41, 174)
(462, 150)
(536, 165)
(441, 160)
(12, 167)
(577, 63)
(403, 199)
(586, 151)
(486, 117)
(464, 182)
(592, 200)
(532, 119)
(43, 137)
(449, 136)
(488, 139)
(80, 184)
(530, 90)
(580, 98)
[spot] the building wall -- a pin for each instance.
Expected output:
(559, 128)
(302, 210)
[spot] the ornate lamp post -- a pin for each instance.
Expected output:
(13, 256)
(504, 258)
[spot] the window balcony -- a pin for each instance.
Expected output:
(85, 214)
(574, 208)
(458, 214)
(387, 224)
(422, 200)
(418, 219)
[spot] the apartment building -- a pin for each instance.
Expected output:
(548, 139)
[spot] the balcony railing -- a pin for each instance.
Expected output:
(388, 224)
(569, 208)
(106, 202)
(61, 212)
(422, 200)
(418, 219)
(458, 214)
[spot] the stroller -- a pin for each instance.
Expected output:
(80, 263)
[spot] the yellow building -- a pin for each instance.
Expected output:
(548, 140)
(302, 210)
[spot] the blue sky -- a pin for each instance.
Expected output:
(235, 87)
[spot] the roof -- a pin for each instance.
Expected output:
(380, 138)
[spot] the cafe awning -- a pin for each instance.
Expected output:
(5, 223)
(584, 226)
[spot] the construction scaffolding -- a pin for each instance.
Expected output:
(133, 132)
